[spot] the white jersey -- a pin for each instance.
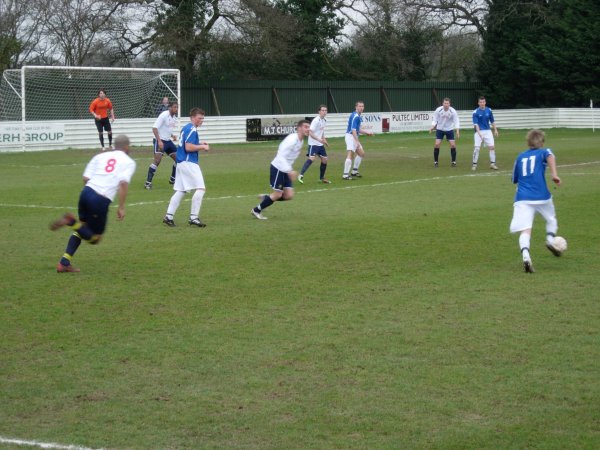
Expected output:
(445, 120)
(288, 151)
(106, 171)
(317, 127)
(165, 123)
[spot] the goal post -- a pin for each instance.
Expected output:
(36, 95)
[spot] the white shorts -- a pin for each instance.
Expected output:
(488, 138)
(188, 176)
(524, 212)
(350, 143)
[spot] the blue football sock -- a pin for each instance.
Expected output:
(322, 169)
(305, 166)
(72, 246)
(265, 203)
(151, 172)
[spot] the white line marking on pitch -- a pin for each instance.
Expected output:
(11, 205)
(50, 445)
(310, 191)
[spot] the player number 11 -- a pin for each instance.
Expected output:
(531, 165)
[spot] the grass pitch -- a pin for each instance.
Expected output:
(385, 312)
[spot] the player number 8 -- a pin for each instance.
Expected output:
(110, 165)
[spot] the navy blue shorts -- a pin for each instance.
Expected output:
(317, 150)
(439, 134)
(168, 147)
(279, 179)
(93, 209)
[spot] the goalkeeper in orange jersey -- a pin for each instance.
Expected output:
(101, 107)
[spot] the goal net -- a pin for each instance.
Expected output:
(44, 93)
(65, 93)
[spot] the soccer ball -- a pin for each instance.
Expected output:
(559, 243)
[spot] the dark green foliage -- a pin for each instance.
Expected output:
(540, 53)
(317, 26)
(392, 53)
(9, 47)
(181, 31)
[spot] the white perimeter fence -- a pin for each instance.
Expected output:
(56, 135)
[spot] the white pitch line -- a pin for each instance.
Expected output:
(50, 445)
(78, 164)
(11, 205)
(311, 191)
(242, 196)
(31, 166)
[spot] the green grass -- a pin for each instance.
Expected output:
(386, 312)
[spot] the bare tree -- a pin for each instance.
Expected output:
(454, 13)
(20, 31)
(472, 14)
(83, 30)
(196, 34)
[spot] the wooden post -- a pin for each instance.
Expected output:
(384, 98)
(276, 97)
(331, 100)
(215, 102)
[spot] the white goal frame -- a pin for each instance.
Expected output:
(23, 91)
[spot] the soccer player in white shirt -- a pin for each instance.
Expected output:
(164, 135)
(445, 123)
(282, 172)
(107, 174)
(316, 145)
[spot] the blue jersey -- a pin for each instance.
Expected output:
(483, 117)
(529, 175)
(189, 133)
(354, 122)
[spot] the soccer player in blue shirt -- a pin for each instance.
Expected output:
(533, 195)
(282, 172)
(483, 122)
(189, 176)
(353, 146)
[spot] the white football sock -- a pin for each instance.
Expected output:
(475, 155)
(174, 203)
(347, 165)
(524, 242)
(551, 228)
(196, 203)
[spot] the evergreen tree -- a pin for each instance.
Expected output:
(317, 27)
(541, 53)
